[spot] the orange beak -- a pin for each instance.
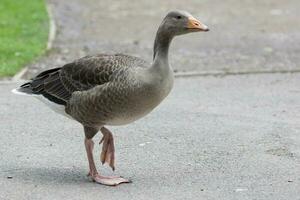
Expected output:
(196, 24)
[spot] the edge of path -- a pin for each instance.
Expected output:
(51, 38)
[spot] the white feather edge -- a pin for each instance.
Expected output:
(53, 106)
(15, 91)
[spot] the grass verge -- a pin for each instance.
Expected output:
(23, 33)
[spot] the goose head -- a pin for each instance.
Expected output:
(181, 22)
(175, 23)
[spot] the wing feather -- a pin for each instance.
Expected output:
(58, 84)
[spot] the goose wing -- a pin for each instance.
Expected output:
(58, 84)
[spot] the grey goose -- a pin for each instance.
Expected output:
(113, 90)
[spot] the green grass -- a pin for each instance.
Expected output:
(23, 33)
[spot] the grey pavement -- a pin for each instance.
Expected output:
(229, 138)
(246, 36)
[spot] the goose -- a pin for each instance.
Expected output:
(111, 90)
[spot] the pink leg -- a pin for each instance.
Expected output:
(110, 181)
(108, 148)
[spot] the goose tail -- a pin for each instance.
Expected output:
(23, 90)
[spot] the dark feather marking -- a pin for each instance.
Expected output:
(58, 84)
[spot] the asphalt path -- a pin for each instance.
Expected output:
(233, 137)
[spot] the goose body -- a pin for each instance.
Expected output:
(102, 89)
(132, 91)
(114, 89)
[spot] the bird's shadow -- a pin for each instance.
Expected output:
(45, 175)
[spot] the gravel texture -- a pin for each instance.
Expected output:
(236, 137)
(247, 36)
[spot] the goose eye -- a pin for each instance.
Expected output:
(178, 17)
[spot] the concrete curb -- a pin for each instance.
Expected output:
(52, 26)
(20, 74)
(232, 73)
(51, 38)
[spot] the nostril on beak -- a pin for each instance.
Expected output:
(196, 24)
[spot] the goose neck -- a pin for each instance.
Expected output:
(161, 46)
